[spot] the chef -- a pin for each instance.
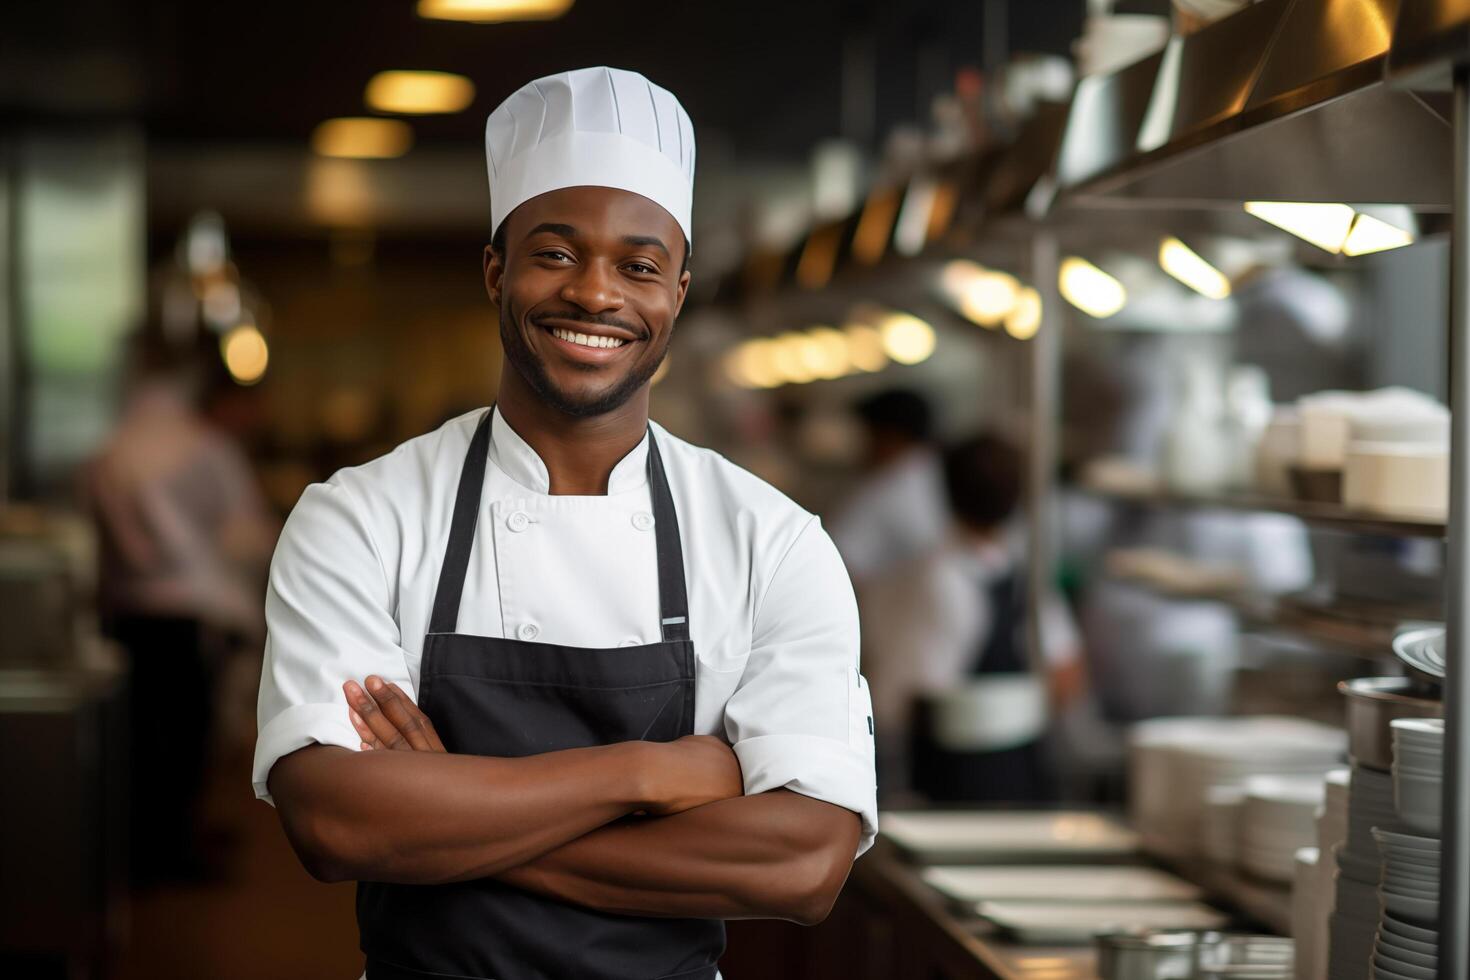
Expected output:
(561, 691)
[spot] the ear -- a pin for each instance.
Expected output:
(680, 291)
(494, 273)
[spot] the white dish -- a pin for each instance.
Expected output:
(1411, 930)
(1388, 937)
(1425, 727)
(1409, 956)
(1418, 802)
(956, 837)
(1413, 843)
(1384, 961)
(968, 885)
(1045, 923)
(1409, 907)
(1427, 891)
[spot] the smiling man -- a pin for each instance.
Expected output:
(560, 691)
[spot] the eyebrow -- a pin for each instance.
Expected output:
(567, 231)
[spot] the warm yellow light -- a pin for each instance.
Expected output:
(245, 353)
(1025, 317)
(826, 353)
(751, 365)
(1324, 225)
(865, 347)
(418, 92)
(819, 257)
(1184, 264)
(788, 356)
(982, 296)
(362, 138)
(906, 338)
(1369, 234)
(1090, 289)
(870, 238)
(493, 11)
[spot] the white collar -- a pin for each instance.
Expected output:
(517, 460)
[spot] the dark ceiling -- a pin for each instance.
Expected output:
(765, 76)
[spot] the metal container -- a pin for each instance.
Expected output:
(1148, 955)
(1374, 702)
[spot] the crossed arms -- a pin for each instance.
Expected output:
(640, 828)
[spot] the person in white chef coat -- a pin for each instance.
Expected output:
(560, 691)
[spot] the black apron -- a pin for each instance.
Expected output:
(510, 698)
(1017, 775)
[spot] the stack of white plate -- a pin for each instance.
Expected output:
(1218, 841)
(1418, 767)
(1410, 886)
(1355, 912)
(1305, 922)
(1174, 763)
(1332, 831)
(1405, 950)
(1278, 818)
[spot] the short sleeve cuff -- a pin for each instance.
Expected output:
(298, 726)
(823, 768)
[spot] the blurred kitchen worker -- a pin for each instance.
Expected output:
(184, 537)
(897, 511)
(597, 620)
(958, 710)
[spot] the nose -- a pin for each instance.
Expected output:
(594, 288)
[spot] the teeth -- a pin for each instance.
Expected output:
(587, 340)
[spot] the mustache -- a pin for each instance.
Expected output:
(583, 317)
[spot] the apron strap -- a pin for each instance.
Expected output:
(445, 617)
(673, 600)
(672, 596)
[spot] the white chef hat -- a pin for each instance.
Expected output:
(599, 126)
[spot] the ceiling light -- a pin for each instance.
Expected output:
(1184, 264)
(982, 296)
(826, 353)
(1090, 289)
(493, 11)
(1369, 234)
(1324, 225)
(912, 229)
(418, 92)
(362, 138)
(1024, 319)
(245, 353)
(870, 239)
(906, 338)
(865, 347)
(750, 365)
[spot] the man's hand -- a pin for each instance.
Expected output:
(386, 718)
(681, 775)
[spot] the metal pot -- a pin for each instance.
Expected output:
(1374, 702)
(1146, 955)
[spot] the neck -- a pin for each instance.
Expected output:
(579, 453)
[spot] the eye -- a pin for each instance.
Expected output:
(641, 269)
(554, 254)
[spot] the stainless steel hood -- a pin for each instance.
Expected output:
(1285, 100)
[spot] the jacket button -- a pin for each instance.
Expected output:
(518, 521)
(528, 631)
(643, 520)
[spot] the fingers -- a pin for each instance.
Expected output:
(364, 732)
(431, 736)
(407, 720)
(385, 734)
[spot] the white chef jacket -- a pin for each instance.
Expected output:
(896, 515)
(771, 610)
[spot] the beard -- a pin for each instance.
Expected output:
(533, 370)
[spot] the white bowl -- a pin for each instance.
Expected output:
(1419, 727)
(1426, 960)
(1409, 907)
(1427, 890)
(1382, 961)
(1392, 939)
(1413, 843)
(1410, 930)
(1419, 802)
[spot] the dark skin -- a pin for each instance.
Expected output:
(635, 827)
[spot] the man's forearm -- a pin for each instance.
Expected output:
(772, 855)
(427, 818)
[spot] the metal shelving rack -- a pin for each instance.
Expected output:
(1301, 100)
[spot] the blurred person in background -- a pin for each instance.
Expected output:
(959, 714)
(184, 536)
(898, 509)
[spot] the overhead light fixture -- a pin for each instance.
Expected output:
(751, 364)
(870, 239)
(1324, 225)
(1024, 319)
(1186, 265)
(418, 92)
(362, 138)
(789, 357)
(906, 338)
(245, 353)
(826, 353)
(1090, 289)
(865, 347)
(493, 11)
(1369, 234)
(982, 296)
(912, 228)
(819, 257)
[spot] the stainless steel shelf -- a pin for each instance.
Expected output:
(1331, 516)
